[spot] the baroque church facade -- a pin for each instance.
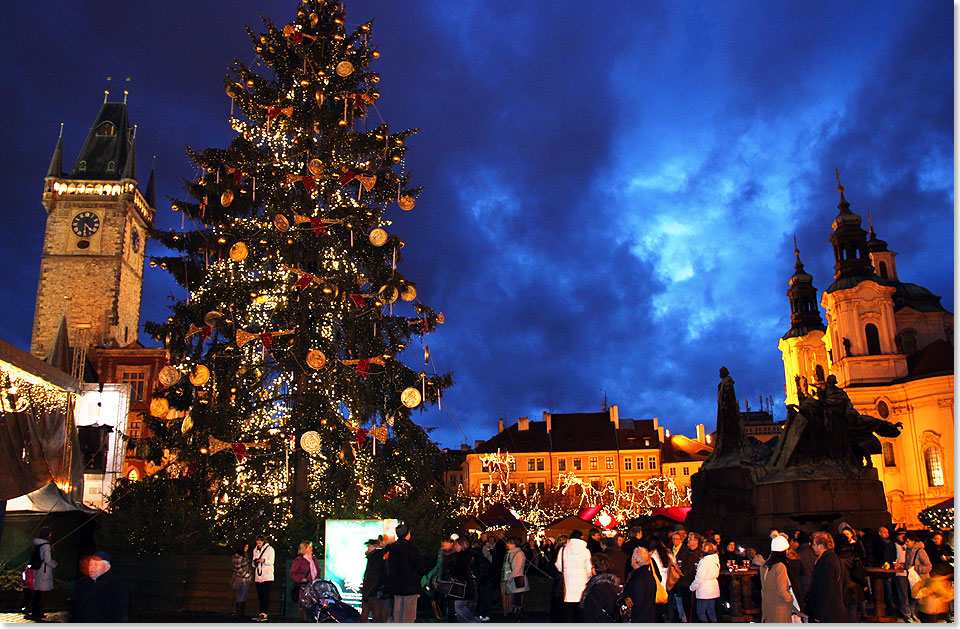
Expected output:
(890, 345)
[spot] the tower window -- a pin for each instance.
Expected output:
(107, 128)
(883, 270)
(873, 339)
(888, 460)
(111, 165)
(883, 410)
(82, 166)
(137, 380)
(908, 342)
(819, 372)
(934, 461)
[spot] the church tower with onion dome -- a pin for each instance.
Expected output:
(91, 266)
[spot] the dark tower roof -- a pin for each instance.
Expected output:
(804, 311)
(108, 152)
(56, 163)
(874, 244)
(849, 247)
(151, 194)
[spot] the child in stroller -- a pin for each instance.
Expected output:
(321, 601)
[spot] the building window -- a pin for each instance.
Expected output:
(593, 463)
(82, 166)
(111, 166)
(883, 270)
(486, 488)
(595, 484)
(540, 464)
(888, 460)
(513, 465)
(873, 339)
(531, 487)
(934, 460)
(653, 462)
(646, 443)
(629, 486)
(820, 374)
(639, 462)
(908, 342)
(673, 471)
(133, 474)
(561, 465)
(531, 465)
(883, 410)
(627, 463)
(577, 465)
(137, 380)
(513, 488)
(609, 462)
(686, 471)
(107, 128)
(541, 488)
(484, 466)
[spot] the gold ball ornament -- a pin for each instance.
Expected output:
(186, 425)
(159, 406)
(407, 202)
(314, 19)
(409, 293)
(316, 359)
(226, 198)
(280, 222)
(388, 294)
(310, 442)
(378, 237)
(212, 317)
(238, 252)
(315, 166)
(344, 68)
(199, 375)
(234, 89)
(169, 376)
(410, 397)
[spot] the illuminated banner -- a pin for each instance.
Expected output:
(345, 553)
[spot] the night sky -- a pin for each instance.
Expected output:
(611, 189)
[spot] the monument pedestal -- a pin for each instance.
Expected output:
(730, 500)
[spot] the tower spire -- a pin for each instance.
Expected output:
(56, 163)
(804, 311)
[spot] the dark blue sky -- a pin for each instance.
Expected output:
(611, 190)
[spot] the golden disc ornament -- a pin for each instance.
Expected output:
(314, 18)
(310, 442)
(344, 68)
(280, 222)
(186, 425)
(409, 293)
(388, 294)
(212, 317)
(238, 252)
(169, 376)
(315, 166)
(407, 202)
(378, 237)
(411, 397)
(226, 198)
(199, 375)
(316, 359)
(159, 406)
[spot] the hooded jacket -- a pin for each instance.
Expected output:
(573, 561)
(917, 557)
(263, 571)
(43, 573)
(705, 583)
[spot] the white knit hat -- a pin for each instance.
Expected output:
(779, 543)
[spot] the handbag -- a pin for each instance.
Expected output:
(452, 588)
(661, 597)
(519, 582)
(913, 577)
(673, 574)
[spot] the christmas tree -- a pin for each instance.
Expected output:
(286, 395)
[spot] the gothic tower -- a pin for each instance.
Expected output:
(91, 267)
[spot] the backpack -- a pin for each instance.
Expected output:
(35, 560)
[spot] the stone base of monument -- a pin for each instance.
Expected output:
(730, 500)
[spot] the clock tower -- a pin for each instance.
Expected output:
(91, 267)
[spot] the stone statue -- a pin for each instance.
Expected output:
(729, 446)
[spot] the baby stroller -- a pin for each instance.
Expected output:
(321, 601)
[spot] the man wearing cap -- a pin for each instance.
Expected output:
(374, 595)
(405, 566)
(102, 596)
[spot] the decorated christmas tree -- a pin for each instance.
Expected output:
(286, 394)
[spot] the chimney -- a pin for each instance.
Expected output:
(500, 429)
(701, 433)
(476, 444)
(523, 423)
(615, 416)
(548, 417)
(464, 447)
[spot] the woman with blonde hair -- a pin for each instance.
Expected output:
(640, 590)
(304, 570)
(705, 584)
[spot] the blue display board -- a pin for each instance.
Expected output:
(345, 553)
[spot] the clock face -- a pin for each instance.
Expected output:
(86, 224)
(135, 238)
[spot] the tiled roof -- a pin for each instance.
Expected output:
(636, 434)
(573, 432)
(512, 439)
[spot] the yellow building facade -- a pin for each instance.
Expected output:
(890, 345)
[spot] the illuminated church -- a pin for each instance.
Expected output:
(890, 345)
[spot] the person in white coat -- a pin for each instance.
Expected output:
(705, 585)
(263, 559)
(573, 561)
(42, 563)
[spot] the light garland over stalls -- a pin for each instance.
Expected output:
(22, 389)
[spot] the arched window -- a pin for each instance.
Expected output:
(933, 458)
(820, 374)
(133, 474)
(888, 460)
(883, 270)
(107, 128)
(111, 165)
(908, 342)
(873, 339)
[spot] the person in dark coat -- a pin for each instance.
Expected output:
(406, 566)
(102, 596)
(375, 594)
(599, 598)
(852, 555)
(635, 539)
(616, 557)
(938, 550)
(825, 596)
(594, 544)
(688, 558)
(640, 590)
(484, 577)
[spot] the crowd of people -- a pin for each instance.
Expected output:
(681, 576)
